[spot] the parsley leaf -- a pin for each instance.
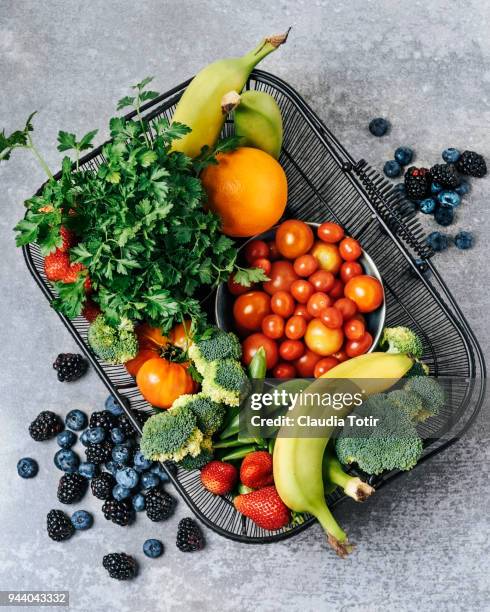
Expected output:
(249, 276)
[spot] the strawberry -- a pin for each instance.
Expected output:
(264, 507)
(69, 239)
(256, 470)
(56, 265)
(219, 477)
(72, 275)
(90, 310)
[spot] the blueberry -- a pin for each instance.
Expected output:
(427, 206)
(435, 188)
(438, 241)
(95, 435)
(140, 462)
(84, 438)
(159, 470)
(463, 240)
(76, 420)
(138, 502)
(81, 520)
(451, 155)
(66, 439)
(463, 188)
(153, 548)
(392, 168)
(27, 467)
(112, 467)
(117, 435)
(399, 188)
(127, 477)
(87, 469)
(120, 454)
(379, 126)
(119, 492)
(149, 480)
(113, 406)
(444, 215)
(449, 198)
(67, 461)
(403, 155)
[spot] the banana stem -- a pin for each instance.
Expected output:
(352, 485)
(336, 536)
(266, 46)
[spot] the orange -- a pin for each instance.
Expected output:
(248, 189)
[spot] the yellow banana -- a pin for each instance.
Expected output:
(298, 460)
(200, 105)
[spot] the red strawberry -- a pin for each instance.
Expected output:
(90, 310)
(264, 507)
(256, 470)
(73, 273)
(56, 265)
(69, 239)
(219, 477)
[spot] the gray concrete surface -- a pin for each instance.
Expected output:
(423, 542)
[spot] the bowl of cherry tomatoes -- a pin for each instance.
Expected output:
(324, 301)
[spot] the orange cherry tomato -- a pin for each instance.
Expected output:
(328, 256)
(249, 309)
(332, 317)
(294, 238)
(289, 350)
(322, 280)
(347, 307)
(281, 276)
(366, 291)
(295, 328)
(263, 263)
(354, 348)
(305, 265)
(302, 311)
(235, 288)
(317, 302)
(302, 290)
(354, 329)
(256, 249)
(337, 291)
(324, 365)
(322, 340)
(282, 303)
(274, 253)
(359, 317)
(330, 232)
(349, 269)
(341, 355)
(284, 370)
(273, 326)
(252, 344)
(305, 365)
(161, 382)
(350, 249)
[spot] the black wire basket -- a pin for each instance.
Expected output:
(324, 182)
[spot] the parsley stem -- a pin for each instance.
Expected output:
(140, 119)
(44, 165)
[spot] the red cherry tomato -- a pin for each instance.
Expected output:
(328, 256)
(350, 249)
(302, 311)
(322, 280)
(340, 355)
(337, 291)
(305, 365)
(274, 253)
(354, 348)
(281, 276)
(301, 290)
(250, 308)
(322, 340)
(284, 370)
(366, 291)
(273, 326)
(354, 329)
(347, 307)
(332, 317)
(252, 344)
(317, 302)
(295, 328)
(294, 238)
(330, 232)
(263, 263)
(282, 303)
(256, 249)
(235, 288)
(289, 350)
(349, 269)
(305, 265)
(324, 365)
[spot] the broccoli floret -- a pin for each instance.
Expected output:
(226, 382)
(411, 403)
(219, 345)
(401, 340)
(209, 415)
(171, 435)
(196, 463)
(113, 344)
(430, 391)
(393, 443)
(419, 368)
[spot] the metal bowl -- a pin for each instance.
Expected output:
(223, 307)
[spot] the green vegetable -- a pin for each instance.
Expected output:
(409, 402)
(333, 474)
(216, 344)
(113, 344)
(225, 382)
(209, 415)
(196, 463)
(239, 453)
(172, 435)
(418, 369)
(401, 340)
(257, 368)
(430, 391)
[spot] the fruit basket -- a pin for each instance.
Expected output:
(326, 183)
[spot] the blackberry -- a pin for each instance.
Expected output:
(120, 566)
(71, 488)
(99, 453)
(124, 424)
(103, 419)
(59, 526)
(445, 175)
(70, 366)
(102, 485)
(45, 426)
(472, 164)
(189, 536)
(417, 183)
(119, 512)
(159, 505)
